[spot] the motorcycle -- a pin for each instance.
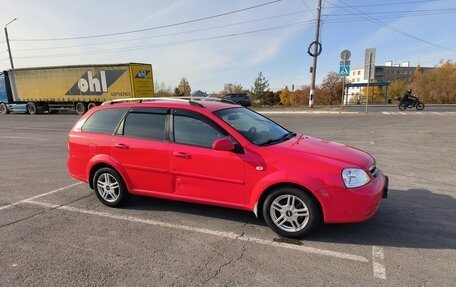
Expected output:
(414, 103)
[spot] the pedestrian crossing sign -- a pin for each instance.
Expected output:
(344, 71)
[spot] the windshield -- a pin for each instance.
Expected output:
(256, 128)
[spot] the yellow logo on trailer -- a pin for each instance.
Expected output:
(143, 85)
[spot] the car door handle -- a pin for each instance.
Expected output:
(121, 146)
(181, 154)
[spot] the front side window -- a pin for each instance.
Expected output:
(104, 121)
(145, 126)
(256, 128)
(192, 131)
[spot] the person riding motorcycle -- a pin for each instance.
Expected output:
(408, 98)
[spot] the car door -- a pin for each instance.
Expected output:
(198, 171)
(140, 146)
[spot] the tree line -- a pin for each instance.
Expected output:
(436, 86)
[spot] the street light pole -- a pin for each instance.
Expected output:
(8, 44)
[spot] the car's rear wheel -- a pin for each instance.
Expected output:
(110, 187)
(291, 212)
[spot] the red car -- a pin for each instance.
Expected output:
(216, 153)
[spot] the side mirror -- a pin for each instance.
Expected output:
(223, 144)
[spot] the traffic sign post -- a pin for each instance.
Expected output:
(369, 70)
(344, 70)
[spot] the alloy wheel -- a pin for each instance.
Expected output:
(108, 187)
(289, 213)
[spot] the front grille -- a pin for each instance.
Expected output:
(373, 171)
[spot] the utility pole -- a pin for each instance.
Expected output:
(315, 55)
(8, 44)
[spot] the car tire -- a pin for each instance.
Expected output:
(110, 188)
(81, 108)
(291, 212)
(3, 109)
(91, 105)
(31, 108)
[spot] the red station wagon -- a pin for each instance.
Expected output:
(211, 152)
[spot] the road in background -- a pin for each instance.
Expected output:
(67, 237)
(394, 108)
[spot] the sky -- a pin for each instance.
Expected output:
(234, 48)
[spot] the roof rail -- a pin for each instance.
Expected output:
(190, 100)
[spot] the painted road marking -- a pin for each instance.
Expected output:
(230, 235)
(377, 262)
(40, 195)
(412, 113)
(23, 138)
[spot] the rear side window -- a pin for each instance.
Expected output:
(104, 121)
(145, 126)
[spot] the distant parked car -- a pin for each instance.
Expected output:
(211, 152)
(239, 99)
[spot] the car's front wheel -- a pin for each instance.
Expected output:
(291, 212)
(110, 187)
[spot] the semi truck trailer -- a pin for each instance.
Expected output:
(79, 88)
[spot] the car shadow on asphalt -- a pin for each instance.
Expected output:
(414, 218)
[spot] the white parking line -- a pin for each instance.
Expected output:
(39, 195)
(230, 235)
(377, 262)
(436, 113)
(23, 138)
(386, 113)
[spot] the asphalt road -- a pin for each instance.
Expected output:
(394, 108)
(62, 235)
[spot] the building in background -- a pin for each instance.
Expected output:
(198, 94)
(383, 74)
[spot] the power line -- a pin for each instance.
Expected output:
(152, 28)
(399, 12)
(166, 44)
(165, 35)
(383, 24)
(333, 21)
(344, 20)
(392, 3)
(308, 7)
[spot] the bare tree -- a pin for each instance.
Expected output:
(230, 88)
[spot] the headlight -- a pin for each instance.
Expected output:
(354, 177)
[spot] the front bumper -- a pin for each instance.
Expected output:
(386, 187)
(355, 205)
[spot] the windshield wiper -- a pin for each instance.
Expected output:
(285, 137)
